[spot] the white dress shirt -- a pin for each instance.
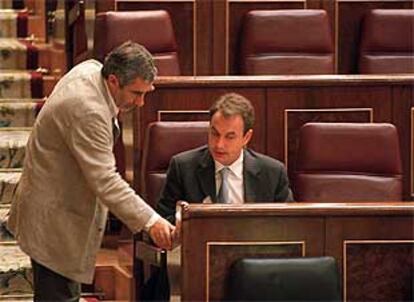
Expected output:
(235, 179)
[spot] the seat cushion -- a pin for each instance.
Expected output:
(286, 42)
(387, 41)
(291, 279)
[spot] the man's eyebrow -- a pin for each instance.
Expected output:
(137, 91)
(226, 134)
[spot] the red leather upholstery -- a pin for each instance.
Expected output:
(387, 41)
(286, 42)
(153, 29)
(344, 162)
(162, 141)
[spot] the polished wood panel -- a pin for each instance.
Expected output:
(325, 229)
(183, 115)
(364, 263)
(284, 103)
(412, 151)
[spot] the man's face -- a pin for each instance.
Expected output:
(131, 95)
(226, 139)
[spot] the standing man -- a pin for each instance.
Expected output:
(225, 171)
(69, 179)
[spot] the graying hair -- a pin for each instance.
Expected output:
(128, 62)
(235, 104)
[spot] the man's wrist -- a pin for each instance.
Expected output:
(153, 219)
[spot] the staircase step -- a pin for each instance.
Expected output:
(15, 271)
(18, 54)
(12, 147)
(8, 184)
(19, 112)
(5, 235)
(6, 4)
(13, 23)
(15, 84)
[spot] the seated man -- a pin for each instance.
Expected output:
(225, 171)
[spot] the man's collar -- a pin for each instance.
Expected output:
(112, 105)
(236, 167)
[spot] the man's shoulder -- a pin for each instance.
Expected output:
(88, 66)
(263, 159)
(192, 155)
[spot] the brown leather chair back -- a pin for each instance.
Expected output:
(283, 279)
(152, 29)
(387, 41)
(162, 141)
(345, 162)
(286, 42)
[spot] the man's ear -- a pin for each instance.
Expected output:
(113, 81)
(248, 136)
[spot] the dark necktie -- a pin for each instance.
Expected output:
(223, 194)
(115, 129)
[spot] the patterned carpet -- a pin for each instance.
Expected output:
(21, 99)
(20, 90)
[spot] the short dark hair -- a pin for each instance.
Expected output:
(129, 61)
(231, 104)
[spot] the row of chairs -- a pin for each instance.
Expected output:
(300, 42)
(268, 46)
(273, 41)
(337, 162)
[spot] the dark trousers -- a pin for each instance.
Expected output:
(50, 286)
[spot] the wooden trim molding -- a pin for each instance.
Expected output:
(194, 38)
(160, 113)
(412, 152)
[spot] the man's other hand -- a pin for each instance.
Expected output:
(161, 232)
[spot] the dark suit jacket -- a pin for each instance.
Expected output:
(191, 177)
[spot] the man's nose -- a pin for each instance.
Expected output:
(220, 142)
(139, 100)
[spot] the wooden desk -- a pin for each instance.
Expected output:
(373, 244)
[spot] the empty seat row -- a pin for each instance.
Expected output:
(273, 41)
(300, 42)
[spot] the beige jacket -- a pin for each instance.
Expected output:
(69, 179)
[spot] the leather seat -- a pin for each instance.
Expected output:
(345, 162)
(162, 141)
(278, 279)
(152, 29)
(387, 41)
(286, 42)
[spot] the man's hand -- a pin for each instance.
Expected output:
(161, 232)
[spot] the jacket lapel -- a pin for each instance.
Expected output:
(206, 176)
(251, 174)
